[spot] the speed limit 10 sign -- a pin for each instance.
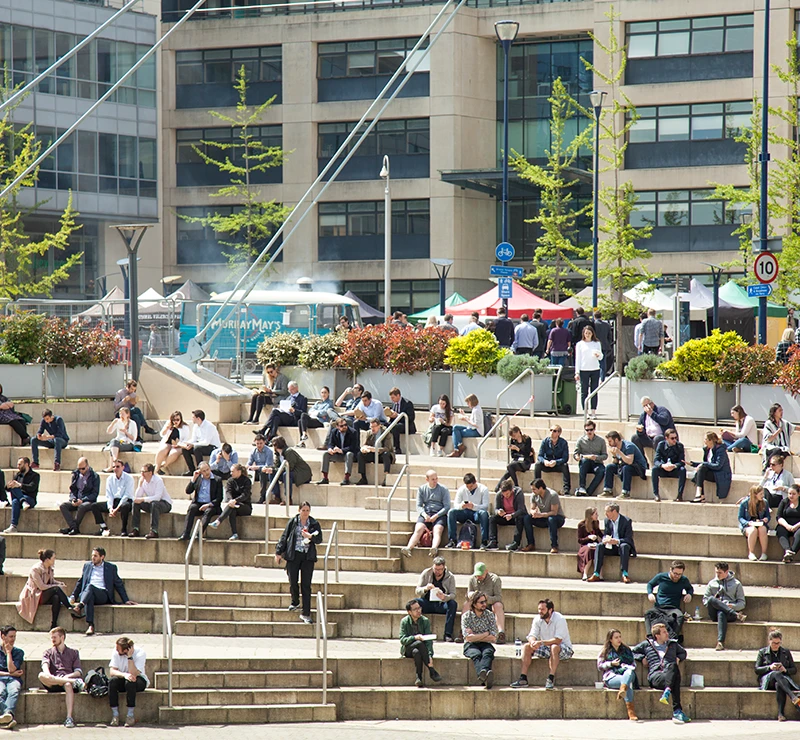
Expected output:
(765, 267)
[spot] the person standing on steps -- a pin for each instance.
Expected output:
(298, 547)
(774, 669)
(588, 355)
(479, 628)
(412, 627)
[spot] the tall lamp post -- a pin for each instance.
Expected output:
(763, 158)
(506, 34)
(387, 240)
(132, 235)
(597, 97)
(444, 264)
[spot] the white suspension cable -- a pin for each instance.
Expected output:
(99, 101)
(194, 346)
(71, 53)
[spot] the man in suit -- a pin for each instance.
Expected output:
(602, 330)
(653, 421)
(341, 445)
(399, 406)
(298, 406)
(578, 323)
(504, 329)
(669, 462)
(617, 540)
(206, 492)
(83, 491)
(96, 587)
(541, 330)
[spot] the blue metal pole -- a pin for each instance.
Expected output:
(506, 50)
(596, 206)
(763, 158)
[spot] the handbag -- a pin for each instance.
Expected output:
(27, 418)
(428, 436)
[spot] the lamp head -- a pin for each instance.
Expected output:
(385, 167)
(597, 97)
(506, 31)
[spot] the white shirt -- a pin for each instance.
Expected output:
(98, 577)
(541, 630)
(119, 434)
(205, 433)
(153, 490)
(120, 662)
(475, 420)
(585, 358)
(120, 488)
(479, 497)
(184, 434)
(747, 429)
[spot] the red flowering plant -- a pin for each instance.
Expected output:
(365, 349)
(789, 375)
(70, 344)
(751, 364)
(416, 351)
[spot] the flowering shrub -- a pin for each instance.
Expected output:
(789, 375)
(477, 352)
(65, 343)
(410, 351)
(365, 349)
(697, 359)
(321, 350)
(280, 348)
(22, 335)
(749, 364)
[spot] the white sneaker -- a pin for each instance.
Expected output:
(214, 524)
(763, 557)
(752, 556)
(6, 717)
(10, 530)
(432, 452)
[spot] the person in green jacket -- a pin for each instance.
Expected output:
(411, 628)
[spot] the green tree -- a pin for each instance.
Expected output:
(622, 264)
(19, 148)
(253, 219)
(557, 252)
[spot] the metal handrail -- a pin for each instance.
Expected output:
(395, 422)
(166, 634)
(322, 629)
(502, 420)
(555, 388)
(276, 476)
(526, 371)
(197, 534)
(405, 471)
(615, 374)
(332, 538)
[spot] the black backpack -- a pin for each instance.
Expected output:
(468, 534)
(96, 683)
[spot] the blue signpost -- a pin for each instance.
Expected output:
(504, 286)
(504, 252)
(503, 271)
(762, 290)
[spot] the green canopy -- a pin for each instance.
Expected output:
(736, 295)
(420, 316)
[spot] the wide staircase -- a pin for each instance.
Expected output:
(251, 673)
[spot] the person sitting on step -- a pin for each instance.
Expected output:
(672, 590)
(554, 458)
(715, 468)
(261, 462)
(320, 413)
(669, 462)
(754, 516)
(24, 488)
(591, 454)
(206, 492)
(470, 426)
(341, 445)
(774, 670)
(412, 627)
(663, 655)
(521, 453)
(83, 491)
(436, 591)
(509, 509)
(299, 470)
(237, 501)
(548, 638)
(471, 504)
(222, 460)
(151, 496)
(625, 461)
(617, 540)
(369, 451)
(479, 628)
(53, 435)
(545, 511)
(433, 503)
(61, 671)
(126, 672)
(492, 586)
(724, 599)
(618, 666)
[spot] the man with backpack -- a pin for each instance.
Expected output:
(490, 585)
(471, 506)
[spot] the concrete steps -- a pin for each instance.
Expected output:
(251, 601)
(251, 715)
(249, 629)
(210, 680)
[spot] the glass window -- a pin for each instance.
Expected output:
(643, 129)
(707, 213)
(673, 44)
(147, 159)
(739, 39)
(127, 156)
(709, 41)
(642, 46)
(367, 58)
(684, 36)
(673, 209)
(670, 208)
(707, 127)
(87, 152)
(673, 129)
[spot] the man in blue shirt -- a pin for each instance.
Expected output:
(625, 460)
(526, 337)
(261, 462)
(11, 661)
(206, 492)
(52, 434)
(553, 458)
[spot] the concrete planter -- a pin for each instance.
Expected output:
(487, 387)
(414, 386)
(22, 381)
(310, 381)
(756, 400)
(83, 382)
(689, 401)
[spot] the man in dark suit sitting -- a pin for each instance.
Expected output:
(341, 445)
(206, 492)
(298, 405)
(399, 406)
(653, 422)
(96, 586)
(617, 540)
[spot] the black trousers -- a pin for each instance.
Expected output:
(788, 540)
(669, 677)
(562, 468)
(418, 651)
(514, 467)
(495, 521)
(19, 426)
(277, 419)
(73, 515)
(131, 688)
(783, 688)
(397, 431)
(101, 507)
(257, 404)
(56, 598)
(232, 514)
(194, 512)
(300, 571)
(365, 458)
(195, 456)
(307, 422)
(263, 478)
(623, 550)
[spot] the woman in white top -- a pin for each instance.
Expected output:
(472, 425)
(175, 432)
(745, 434)
(776, 482)
(124, 431)
(126, 673)
(441, 419)
(777, 435)
(588, 353)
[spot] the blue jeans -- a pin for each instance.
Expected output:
(459, 432)
(624, 471)
(9, 693)
(458, 516)
(553, 523)
(721, 613)
(438, 607)
(57, 443)
(628, 678)
(17, 499)
(593, 467)
(743, 444)
(559, 360)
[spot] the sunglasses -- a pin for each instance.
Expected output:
(775, 465)
(84, 469)
(672, 438)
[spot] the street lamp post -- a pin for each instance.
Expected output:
(442, 273)
(132, 235)
(506, 34)
(763, 158)
(387, 240)
(597, 97)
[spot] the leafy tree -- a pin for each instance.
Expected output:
(558, 250)
(253, 219)
(19, 148)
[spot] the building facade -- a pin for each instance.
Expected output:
(691, 78)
